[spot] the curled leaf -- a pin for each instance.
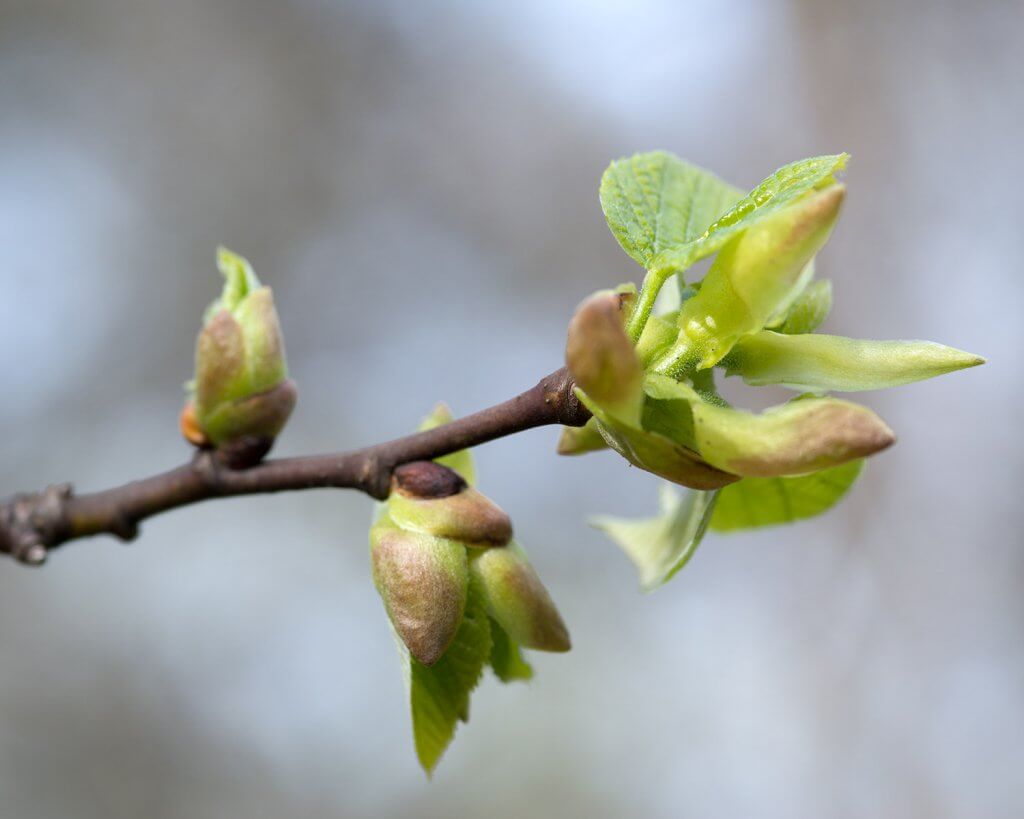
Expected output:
(823, 363)
(807, 313)
(784, 186)
(751, 278)
(798, 437)
(660, 546)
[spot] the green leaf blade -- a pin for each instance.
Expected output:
(660, 546)
(439, 693)
(506, 657)
(655, 201)
(787, 184)
(809, 311)
(756, 502)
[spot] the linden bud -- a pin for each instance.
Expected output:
(518, 600)
(241, 387)
(423, 582)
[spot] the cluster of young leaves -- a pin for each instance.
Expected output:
(461, 595)
(649, 379)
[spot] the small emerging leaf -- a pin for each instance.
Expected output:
(768, 501)
(506, 659)
(656, 201)
(580, 440)
(809, 311)
(787, 184)
(461, 461)
(822, 363)
(662, 545)
(439, 693)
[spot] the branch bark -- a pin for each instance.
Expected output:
(31, 525)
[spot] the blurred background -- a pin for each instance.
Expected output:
(418, 182)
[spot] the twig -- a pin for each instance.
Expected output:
(33, 524)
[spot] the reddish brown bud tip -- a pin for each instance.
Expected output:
(189, 426)
(426, 479)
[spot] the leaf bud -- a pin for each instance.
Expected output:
(241, 386)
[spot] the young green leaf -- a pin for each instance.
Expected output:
(787, 184)
(580, 440)
(821, 363)
(810, 309)
(461, 461)
(439, 693)
(506, 659)
(756, 502)
(656, 201)
(662, 545)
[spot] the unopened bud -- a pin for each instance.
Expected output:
(423, 582)
(517, 599)
(241, 385)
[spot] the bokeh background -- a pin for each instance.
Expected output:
(418, 182)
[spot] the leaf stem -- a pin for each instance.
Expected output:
(653, 281)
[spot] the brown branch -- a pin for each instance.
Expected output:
(33, 524)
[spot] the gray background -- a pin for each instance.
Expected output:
(418, 183)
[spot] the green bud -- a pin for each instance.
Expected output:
(467, 516)
(752, 277)
(580, 440)
(423, 582)
(601, 357)
(833, 363)
(241, 385)
(518, 600)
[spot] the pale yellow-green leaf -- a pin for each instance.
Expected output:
(822, 363)
(756, 502)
